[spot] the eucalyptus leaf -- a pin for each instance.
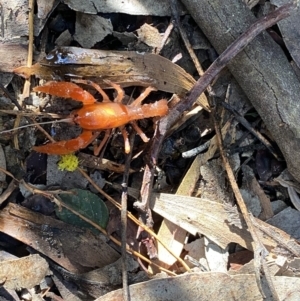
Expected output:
(86, 203)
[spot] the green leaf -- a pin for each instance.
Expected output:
(86, 203)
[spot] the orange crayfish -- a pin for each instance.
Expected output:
(95, 116)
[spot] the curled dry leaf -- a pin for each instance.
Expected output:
(127, 68)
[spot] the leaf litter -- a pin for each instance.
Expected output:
(199, 216)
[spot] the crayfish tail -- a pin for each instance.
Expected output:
(159, 108)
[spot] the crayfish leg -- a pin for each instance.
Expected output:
(143, 95)
(120, 91)
(98, 148)
(66, 90)
(139, 131)
(126, 140)
(105, 98)
(66, 147)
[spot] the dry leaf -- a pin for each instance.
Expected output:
(288, 220)
(98, 28)
(24, 272)
(217, 258)
(191, 287)
(203, 216)
(65, 38)
(195, 250)
(127, 68)
(150, 35)
(252, 186)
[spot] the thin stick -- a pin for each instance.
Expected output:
(29, 63)
(31, 32)
(8, 191)
(8, 173)
(51, 196)
(36, 124)
(188, 46)
(124, 198)
(165, 38)
(33, 114)
(43, 131)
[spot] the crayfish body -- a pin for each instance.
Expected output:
(99, 116)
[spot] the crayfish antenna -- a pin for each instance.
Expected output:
(68, 120)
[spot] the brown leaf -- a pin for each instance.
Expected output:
(24, 272)
(190, 287)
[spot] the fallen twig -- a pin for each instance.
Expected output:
(126, 292)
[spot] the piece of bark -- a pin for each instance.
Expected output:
(77, 250)
(290, 31)
(261, 69)
(14, 20)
